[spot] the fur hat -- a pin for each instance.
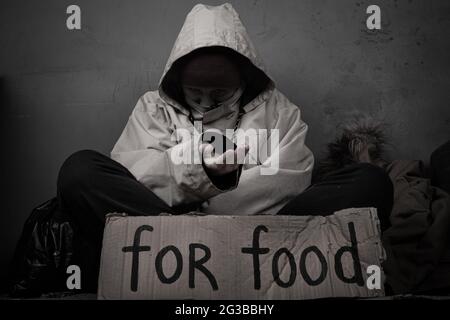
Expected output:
(361, 140)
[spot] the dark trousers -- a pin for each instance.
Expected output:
(354, 186)
(90, 185)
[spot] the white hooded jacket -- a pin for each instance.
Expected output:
(147, 141)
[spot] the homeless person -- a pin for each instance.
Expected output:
(213, 79)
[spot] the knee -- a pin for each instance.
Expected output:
(377, 189)
(375, 181)
(77, 171)
(374, 175)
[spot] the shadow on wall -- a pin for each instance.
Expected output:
(25, 181)
(6, 245)
(5, 134)
(5, 103)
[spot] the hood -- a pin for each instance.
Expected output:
(215, 27)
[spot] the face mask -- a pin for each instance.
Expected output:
(230, 102)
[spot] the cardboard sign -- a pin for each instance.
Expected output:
(240, 257)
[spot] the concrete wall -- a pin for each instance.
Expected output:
(61, 91)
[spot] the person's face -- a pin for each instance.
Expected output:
(210, 79)
(208, 96)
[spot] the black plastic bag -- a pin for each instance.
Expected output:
(43, 253)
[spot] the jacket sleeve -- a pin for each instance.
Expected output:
(259, 193)
(147, 148)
